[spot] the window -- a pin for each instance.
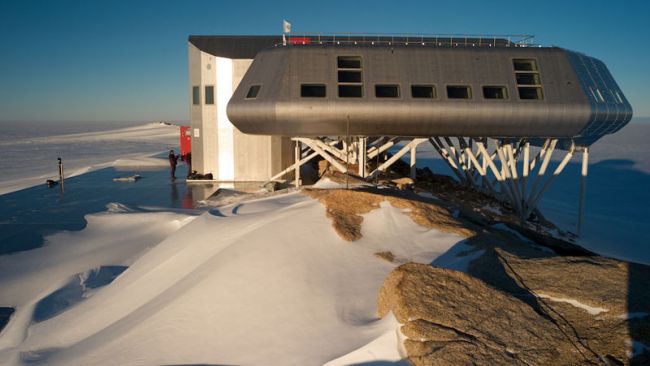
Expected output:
(617, 97)
(524, 65)
(252, 92)
(598, 96)
(423, 91)
(349, 62)
(349, 76)
(459, 92)
(529, 85)
(527, 79)
(526, 92)
(312, 90)
(196, 95)
(209, 94)
(495, 92)
(350, 91)
(387, 91)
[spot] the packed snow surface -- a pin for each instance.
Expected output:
(31, 159)
(261, 282)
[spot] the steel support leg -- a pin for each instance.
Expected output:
(296, 156)
(583, 187)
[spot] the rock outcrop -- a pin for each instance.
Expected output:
(538, 311)
(346, 207)
(452, 318)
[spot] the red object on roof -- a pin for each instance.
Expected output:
(299, 40)
(186, 141)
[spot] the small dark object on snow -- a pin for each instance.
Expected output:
(198, 176)
(51, 183)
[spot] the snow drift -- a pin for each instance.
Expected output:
(260, 282)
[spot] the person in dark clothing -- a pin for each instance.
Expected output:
(188, 161)
(173, 160)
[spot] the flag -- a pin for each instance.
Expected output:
(286, 26)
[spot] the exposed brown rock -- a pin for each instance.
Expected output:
(452, 318)
(387, 256)
(455, 318)
(345, 208)
(601, 283)
(403, 183)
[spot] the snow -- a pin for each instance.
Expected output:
(250, 287)
(637, 348)
(266, 281)
(29, 160)
(590, 309)
(326, 183)
(635, 315)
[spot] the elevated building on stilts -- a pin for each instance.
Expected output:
(496, 108)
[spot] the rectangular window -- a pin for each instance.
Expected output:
(459, 92)
(349, 62)
(209, 94)
(312, 90)
(423, 91)
(524, 64)
(527, 79)
(617, 97)
(196, 95)
(349, 76)
(350, 91)
(495, 92)
(529, 84)
(252, 92)
(387, 91)
(530, 92)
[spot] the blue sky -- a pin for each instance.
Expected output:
(127, 60)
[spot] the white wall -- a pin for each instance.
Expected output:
(220, 148)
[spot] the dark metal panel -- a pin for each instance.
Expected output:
(235, 47)
(610, 110)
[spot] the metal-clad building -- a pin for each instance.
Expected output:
(428, 90)
(216, 66)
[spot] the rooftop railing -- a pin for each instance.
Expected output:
(408, 39)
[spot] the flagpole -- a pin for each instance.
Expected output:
(286, 29)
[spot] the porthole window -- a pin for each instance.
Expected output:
(312, 90)
(459, 92)
(252, 92)
(423, 91)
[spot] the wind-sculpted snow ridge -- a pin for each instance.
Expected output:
(268, 284)
(30, 161)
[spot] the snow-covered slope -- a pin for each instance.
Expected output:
(28, 161)
(262, 282)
